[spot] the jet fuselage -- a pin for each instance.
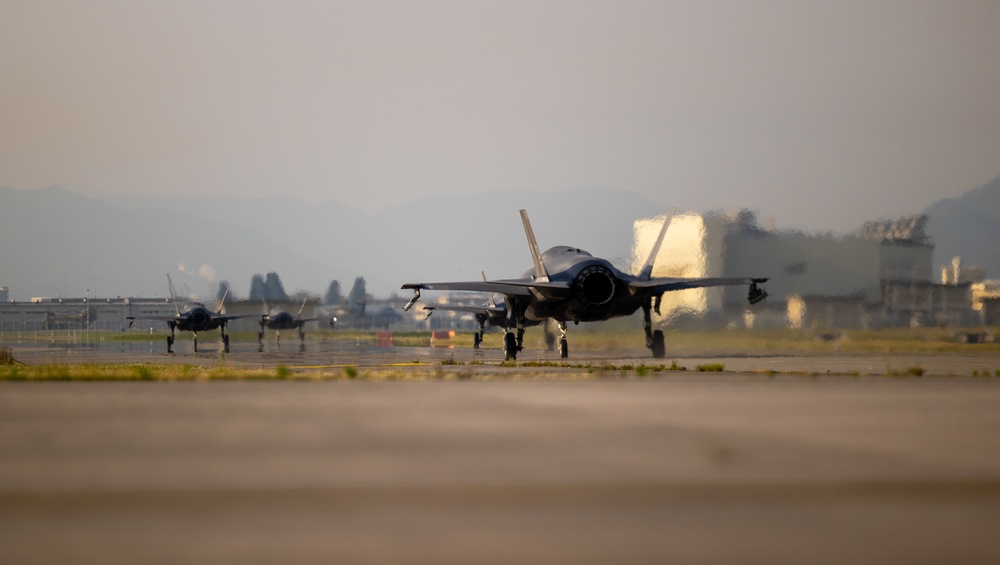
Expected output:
(279, 319)
(598, 291)
(197, 318)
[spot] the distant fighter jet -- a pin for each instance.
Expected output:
(489, 313)
(277, 319)
(569, 284)
(194, 318)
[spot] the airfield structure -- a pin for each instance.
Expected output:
(879, 276)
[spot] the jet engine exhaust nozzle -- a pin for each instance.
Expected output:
(595, 286)
(199, 320)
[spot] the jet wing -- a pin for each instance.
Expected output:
(659, 285)
(511, 287)
(470, 309)
(183, 317)
(228, 318)
(160, 318)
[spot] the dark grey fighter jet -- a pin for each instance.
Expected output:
(569, 284)
(277, 319)
(194, 318)
(487, 314)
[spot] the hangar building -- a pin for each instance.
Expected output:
(879, 276)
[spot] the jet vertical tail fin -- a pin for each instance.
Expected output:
(222, 303)
(173, 294)
(489, 295)
(647, 270)
(540, 271)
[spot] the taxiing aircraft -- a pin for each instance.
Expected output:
(489, 313)
(569, 284)
(277, 319)
(194, 318)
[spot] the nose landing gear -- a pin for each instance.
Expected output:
(563, 342)
(170, 338)
(509, 346)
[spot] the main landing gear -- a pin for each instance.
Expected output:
(654, 339)
(509, 346)
(277, 338)
(512, 344)
(477, 338)
(171, 338)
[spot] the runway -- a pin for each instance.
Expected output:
(539, 467)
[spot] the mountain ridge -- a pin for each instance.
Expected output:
(968, 226)
(58, 242)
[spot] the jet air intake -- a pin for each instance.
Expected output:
(199, 319)
(595, 286)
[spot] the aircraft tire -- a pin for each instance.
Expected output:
(225, 344)
(476, 340)
(659, 348)
(509, 347)
(563, 348)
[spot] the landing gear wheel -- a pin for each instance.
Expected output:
(225, 343)
(170, 344)
(509, 347)
(563, 348)
(477, 338)
(658, 347)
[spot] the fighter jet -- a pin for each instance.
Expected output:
(489, 313)
(277, 319)
(194, 318)
(569, 284)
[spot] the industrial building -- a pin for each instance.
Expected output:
(877, 277)
(105, 314)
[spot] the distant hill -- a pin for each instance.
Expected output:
(968, 226)
(55, 242)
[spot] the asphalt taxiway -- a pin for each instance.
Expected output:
(329, 357)
(741, 466)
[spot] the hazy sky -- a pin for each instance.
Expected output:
(822, 114)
